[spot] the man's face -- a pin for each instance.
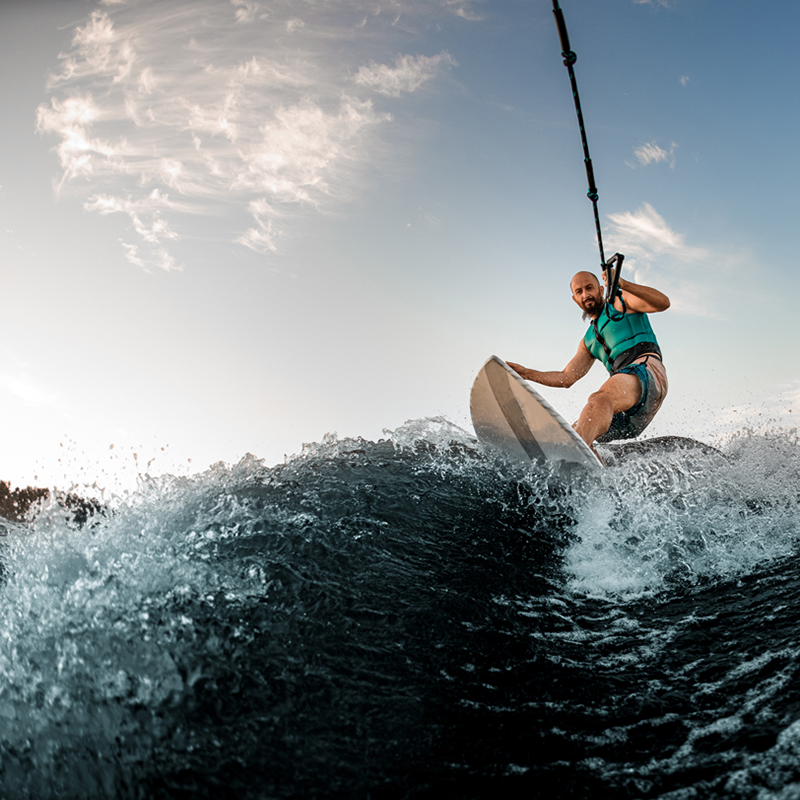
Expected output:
(586, 292)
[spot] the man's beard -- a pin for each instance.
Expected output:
(590, 314)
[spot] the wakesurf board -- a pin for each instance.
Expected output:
(511, 417)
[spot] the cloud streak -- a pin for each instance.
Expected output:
(651, 153)
(167, 110)
(407, 74)
(657, 254)
(647, 234)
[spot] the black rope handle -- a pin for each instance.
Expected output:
(613, 267)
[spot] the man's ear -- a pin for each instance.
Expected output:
(577, 302)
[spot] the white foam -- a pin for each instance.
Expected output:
(649, 522)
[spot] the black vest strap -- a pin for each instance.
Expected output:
(603, 343)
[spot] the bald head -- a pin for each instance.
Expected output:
(583, 279)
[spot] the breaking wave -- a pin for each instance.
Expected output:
(411, 618)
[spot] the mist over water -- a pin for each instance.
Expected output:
(412, 618)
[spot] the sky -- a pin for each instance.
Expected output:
(236, 226)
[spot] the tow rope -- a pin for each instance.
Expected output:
(613, 266)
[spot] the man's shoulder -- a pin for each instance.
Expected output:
(583, 347)
(622, 309)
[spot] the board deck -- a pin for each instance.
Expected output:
(510, 416)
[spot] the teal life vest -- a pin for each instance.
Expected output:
(618, 338)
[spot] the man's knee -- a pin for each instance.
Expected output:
(619, 395)
(606, 393)
(594, 397)
(599, 399)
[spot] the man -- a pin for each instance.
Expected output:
(621, 337)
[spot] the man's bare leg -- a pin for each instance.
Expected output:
(619, 393)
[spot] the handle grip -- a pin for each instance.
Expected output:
(562, 28)
(612, 283)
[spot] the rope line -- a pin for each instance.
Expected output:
(569, 60)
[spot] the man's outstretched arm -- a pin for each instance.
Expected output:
(579, 365)
(641, 299)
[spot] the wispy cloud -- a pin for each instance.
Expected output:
(407, 74)
(263, 236)
(155, 230)
(463, 9)
(683, 80)
(650, 153)
(246, 10)
(647, 234)
(157, 258)
(167, 108)
(657, 254)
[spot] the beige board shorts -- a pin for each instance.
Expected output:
(653, 378)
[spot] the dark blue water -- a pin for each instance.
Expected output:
(411, 618)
